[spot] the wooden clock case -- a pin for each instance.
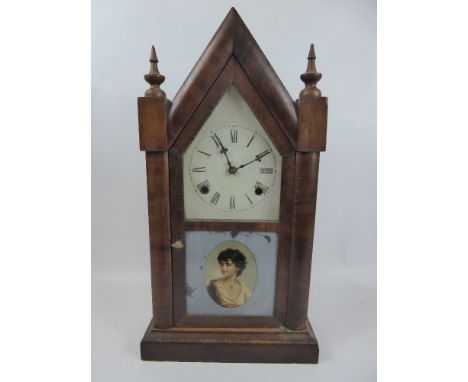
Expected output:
(298, 130)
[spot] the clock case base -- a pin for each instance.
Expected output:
(277, 345)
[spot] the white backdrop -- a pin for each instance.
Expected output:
(342, 306)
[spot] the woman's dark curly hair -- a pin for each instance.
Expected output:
(236, 256)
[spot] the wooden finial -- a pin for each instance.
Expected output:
(311, 76)
(154, 78)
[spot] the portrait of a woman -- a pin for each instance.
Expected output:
(228, 291)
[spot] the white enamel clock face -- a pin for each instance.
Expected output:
(232, 169)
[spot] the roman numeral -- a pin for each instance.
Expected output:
(214, 200)
(202, 152)
(232, 203)
(199, 169)
(203, 184)
(216, 140)
(259, 185)
(251, 139)
(250, 200)
(233, 135)
(264, 170)
(261, 155)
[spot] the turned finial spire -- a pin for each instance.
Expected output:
(311, 76)
(154, 78)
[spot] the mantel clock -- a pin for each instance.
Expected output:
(232, 166)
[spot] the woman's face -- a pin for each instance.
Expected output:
(228, 268)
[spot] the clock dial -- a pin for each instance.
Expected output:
(233, 168)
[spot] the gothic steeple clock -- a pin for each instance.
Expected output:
(232, 168)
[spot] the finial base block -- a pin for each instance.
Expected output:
(312, 123)
(152, 125)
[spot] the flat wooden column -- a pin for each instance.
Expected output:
(306, 176)
(152, 123)
(157, 172)
(312, 134)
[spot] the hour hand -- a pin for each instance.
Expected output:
(220, 145)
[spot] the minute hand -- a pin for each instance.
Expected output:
(257, 158)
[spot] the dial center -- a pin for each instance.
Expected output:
(232, 170)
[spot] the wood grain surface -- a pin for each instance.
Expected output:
(298, 130)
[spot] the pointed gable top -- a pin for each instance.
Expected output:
(233, 39)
